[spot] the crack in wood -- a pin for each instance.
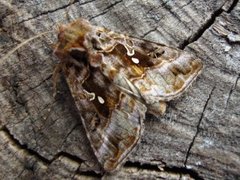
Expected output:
(148, 32)
(164, 15)
(169, 169)
(20, 99)
(45, 161)
(90, 174)
(139, 165)
(69, 133)
(234, 4)
(24, 147)
(106, 10)
(40, 83)
(206, 26)
(198, 126)
(37, 155)
(183, 171)
(69, 156)
(231, 90)
(198, 34)
(54, 10)
(20, 174)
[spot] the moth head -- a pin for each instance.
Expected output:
(72, 35)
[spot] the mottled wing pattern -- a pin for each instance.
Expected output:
(154, 71)
(112, 119)
(113, 77)
(171, 72)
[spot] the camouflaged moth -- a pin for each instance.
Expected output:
(115, 79)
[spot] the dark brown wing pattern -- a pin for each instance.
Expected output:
(114, 79)
(112, 119)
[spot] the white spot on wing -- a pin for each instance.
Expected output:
(135, 60)
(100, 100)
(130, 53)
(91, 95)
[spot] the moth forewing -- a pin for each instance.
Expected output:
(114, 79)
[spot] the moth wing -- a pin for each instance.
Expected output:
(171, 73)
(153, 71)
(113, 120)
(147, 71)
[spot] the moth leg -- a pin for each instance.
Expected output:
(56, 77)
(157, 108)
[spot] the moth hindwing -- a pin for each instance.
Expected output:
(115, 79)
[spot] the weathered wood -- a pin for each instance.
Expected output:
(199, 136)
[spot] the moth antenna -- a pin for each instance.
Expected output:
(22, 44)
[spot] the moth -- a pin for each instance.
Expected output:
(115, 80)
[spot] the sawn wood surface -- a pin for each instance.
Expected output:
(41, 136)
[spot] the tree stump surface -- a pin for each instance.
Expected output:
(42, 137)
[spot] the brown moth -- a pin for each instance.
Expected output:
(115, 79)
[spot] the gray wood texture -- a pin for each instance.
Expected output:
(42, 137)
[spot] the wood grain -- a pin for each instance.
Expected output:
(199, 136)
